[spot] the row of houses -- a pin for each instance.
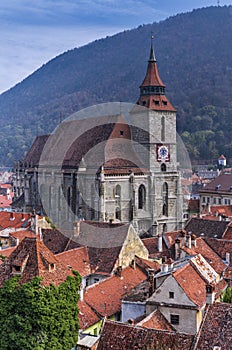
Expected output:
(135, 293)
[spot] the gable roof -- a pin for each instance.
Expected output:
(156, 320)
(87, 317)
(77, 259)
(119, 336)
(32, 258)
(208, 253)
(222, 184)
(105, 296)
(192, 284)
(206, 228)
(216, 328)
(14, 220)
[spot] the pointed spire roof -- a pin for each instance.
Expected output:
(152, 89)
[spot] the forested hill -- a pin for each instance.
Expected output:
(194, 55)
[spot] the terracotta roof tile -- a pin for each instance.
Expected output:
(216, 328)
(192, 284)
(120, 336)
(32, 258)
(156, 320)
(208, 253)
(221, 184)
(77, 259)
(13, 219)
(105, 297)
(209, 228)
(87, 317)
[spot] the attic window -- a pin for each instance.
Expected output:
(171, 295)
(52, 267)
(218, 186)
(164, 102)
(156, 102)
(121, 132)
(16, 269)
(175, 319)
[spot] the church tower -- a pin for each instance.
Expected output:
(158, 116)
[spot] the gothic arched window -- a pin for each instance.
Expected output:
(163, 167)
(142, 197)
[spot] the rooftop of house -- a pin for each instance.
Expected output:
(87, 316)
(105, 296)
(119, 336)
(32, 258)
(201, 247)
(206, 228)
(156, 320)
(215, 332)
(221, 184)
(14, 220)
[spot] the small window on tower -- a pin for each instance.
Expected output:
(156, 102)
(121, 132)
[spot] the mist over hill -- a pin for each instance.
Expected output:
(194, 55)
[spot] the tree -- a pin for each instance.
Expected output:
(227, 297)
(37, 317)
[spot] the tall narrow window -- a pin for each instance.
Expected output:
(118, 213)
(165, 199)
(142, 197)
(162, 129)
(163, 167)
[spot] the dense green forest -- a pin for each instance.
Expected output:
(193, 52)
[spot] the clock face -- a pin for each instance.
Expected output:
(163, 153)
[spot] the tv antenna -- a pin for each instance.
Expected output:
(218, 2)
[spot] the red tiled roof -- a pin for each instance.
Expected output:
(221, 184)
(12, 219)
(208, 253)
(210, 228)
(156, 320)
(105, 297)
(216, 328)
(87, 317)
(34, 259)
(221, 247)
(20, 235)
(192, 284)
(228, 232)
(120, 336)
(152, 246)
(6, 252)
(77, 259)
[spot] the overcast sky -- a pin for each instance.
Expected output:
(33, 32)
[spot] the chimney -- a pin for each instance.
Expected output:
(194, 239)
(22, 217)
(154, 229)
(118, 271)
(210, 294)
(177, 248)
(183, 235)
(160, 239)
(77, 228)
(170, 263)
(228, 258)
(12, 217)
(189, 240)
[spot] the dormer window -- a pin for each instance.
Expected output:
(218, 186)
(16, 269)
(156, 102)
(144, 103)
(51, 267)
(164, 102)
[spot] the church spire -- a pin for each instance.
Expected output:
(152, 89)
(152, 52)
